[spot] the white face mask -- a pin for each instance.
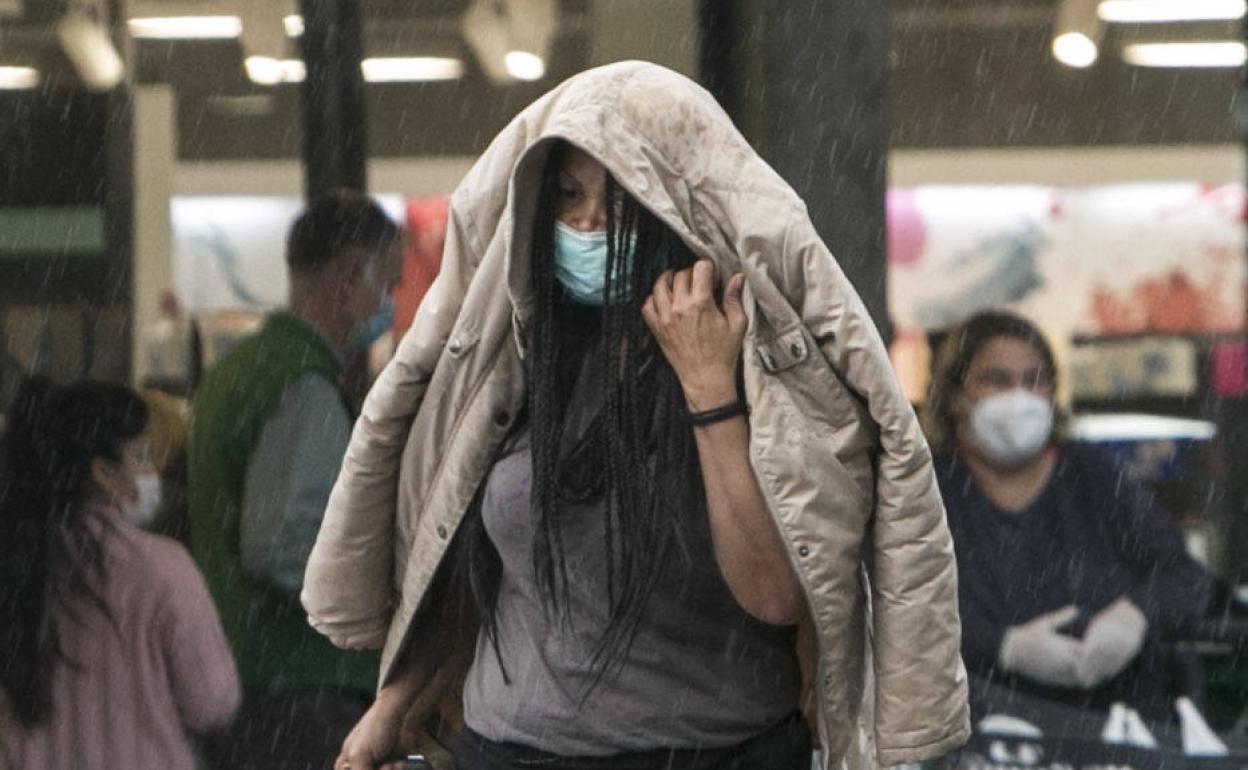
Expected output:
(142, 511)
(1013, 426)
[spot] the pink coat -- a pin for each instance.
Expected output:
(139, 682)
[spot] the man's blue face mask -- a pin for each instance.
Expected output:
(370, 330)
(581, 263)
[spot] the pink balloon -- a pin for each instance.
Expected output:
(906, 231)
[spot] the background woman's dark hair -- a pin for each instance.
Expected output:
(639, 456)
(51, 436)
(954, 358)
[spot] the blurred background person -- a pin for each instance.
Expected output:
(112, 649)
(270, 424)
(168, 429)
(1070, 584)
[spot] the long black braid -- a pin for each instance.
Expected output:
(639, 455)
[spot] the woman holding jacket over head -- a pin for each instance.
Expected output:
(620, 483)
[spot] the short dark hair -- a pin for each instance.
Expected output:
(335, 223)
(954, 358)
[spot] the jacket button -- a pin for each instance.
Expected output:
(456, 347)
(441, 531)
(803, 551)
(501, 418)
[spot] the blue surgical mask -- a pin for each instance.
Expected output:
(369, 331)
(581, 263)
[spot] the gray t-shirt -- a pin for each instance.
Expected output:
(701, 672)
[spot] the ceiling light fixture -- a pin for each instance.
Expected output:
(185, 27)
(12, 78)
(1076, 33)
(293, 25)
(267, 71)
(90, 50)
(400, 69)
(523, 65)
(510, 38)
(1075, 49)
(1154, 11)
(1212, 53)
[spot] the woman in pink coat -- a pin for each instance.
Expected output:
(112, 650)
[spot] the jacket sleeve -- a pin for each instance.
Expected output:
(349, 590)
(915, 629)
(981, 635)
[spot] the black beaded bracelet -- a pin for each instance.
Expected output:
(718, 414)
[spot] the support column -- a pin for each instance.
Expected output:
(1233, 417)
(335, 139)
(155, 156)
(670, 26)
(807, 81)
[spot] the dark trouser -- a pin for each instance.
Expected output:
(786, 746)
(288, 730)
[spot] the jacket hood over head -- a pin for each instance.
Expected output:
(663, 138)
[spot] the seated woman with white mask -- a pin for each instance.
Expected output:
(1069, 581)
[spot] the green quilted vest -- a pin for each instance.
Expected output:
(267, 629)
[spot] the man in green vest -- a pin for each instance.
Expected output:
(269, 429)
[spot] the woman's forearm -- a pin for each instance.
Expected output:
(703, 345)
(748, 547)
(410, 678)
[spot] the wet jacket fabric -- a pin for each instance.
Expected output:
(836, 448)
(264, 623)
(1090, 537)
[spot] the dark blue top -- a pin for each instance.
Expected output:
(1089, 537)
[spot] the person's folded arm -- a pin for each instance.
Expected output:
(981, 635)
(1171, 589)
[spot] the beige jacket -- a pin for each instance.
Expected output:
(836, 447)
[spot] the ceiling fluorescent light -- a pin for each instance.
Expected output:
(1221, 53)
(1139, 427)
(293, 25)
(293, 71)
(1153, 11)
(264, 70)
(411, 68)
(186, 27)
(523, 65)
(18, 77)
(267, 71)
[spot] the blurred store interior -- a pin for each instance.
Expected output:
(1080, 162)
